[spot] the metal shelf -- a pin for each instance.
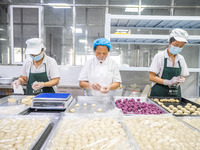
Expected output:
(147, 39)
(149, 22)
(155, 22)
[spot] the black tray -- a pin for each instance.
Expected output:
(182, 102)
(30, 110)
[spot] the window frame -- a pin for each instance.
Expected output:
(12, 27)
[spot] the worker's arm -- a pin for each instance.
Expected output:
(84, 84)
(114, 85)
(52, 82)
(154, 78)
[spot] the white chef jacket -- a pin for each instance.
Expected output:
(51, 68)
(157, 64)
(103, 73)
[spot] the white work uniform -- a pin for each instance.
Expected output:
(51, 68)
(102, 73)
(157, 64)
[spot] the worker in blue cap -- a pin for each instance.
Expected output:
(100, 74)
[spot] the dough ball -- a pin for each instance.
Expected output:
(93, 105)
(156, 100)
(175, 109)
(183, 109)
(193, 106)
(77, 105)
(99, 110)
(192, 110)
(171, 106)
(179, 112)
(162, 100)
(194, 114)
(177, 101)
(85, 104)
(72, 110)
(187, 107)
(198, 109)
(189, 104)
(11, 100)
(197, 112)
(179, 107)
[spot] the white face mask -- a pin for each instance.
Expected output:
(102, 59)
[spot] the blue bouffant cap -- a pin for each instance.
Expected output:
(102, 42)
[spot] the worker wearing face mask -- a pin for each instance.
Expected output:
(100, 74)
(39, 72)
(168, 68)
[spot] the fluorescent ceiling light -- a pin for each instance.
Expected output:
(78, 30)
(133, 9)
(2, 39)
(59, 5)
(82, 41)
(1, 29)
(122, 30)
(87, 47)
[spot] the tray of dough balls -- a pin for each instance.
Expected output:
(90, 132)
(137, 105)
(16, 100)
(23, 132)
(90, 104)
(162, 132)
(178, 106)
(13, 109)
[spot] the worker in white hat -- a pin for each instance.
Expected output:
(39, 72)
(168, 68)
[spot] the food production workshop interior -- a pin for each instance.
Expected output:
(99, 74)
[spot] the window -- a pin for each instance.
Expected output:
(25, 23)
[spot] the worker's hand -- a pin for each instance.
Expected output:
(171, 82)
(95, 86)
(15, 83)
(37, 85)
(105, 89)
(181, 79)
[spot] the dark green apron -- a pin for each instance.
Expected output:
(40, 77)
(166, 91)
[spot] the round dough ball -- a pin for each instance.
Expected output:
(179, 112)
(179, 107)
(11, 100)
(156, 100)
(193, 106)
(187, 107)
(194, 114)
(99, 110)
(93, 105)
(72, 110)
(197, 112)
(177, 101)
(189, 104)
(171, 106)
(85, 104)
(183, 110)
(77, 105)
(198, 109)
(175, 109)
(192, 110)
